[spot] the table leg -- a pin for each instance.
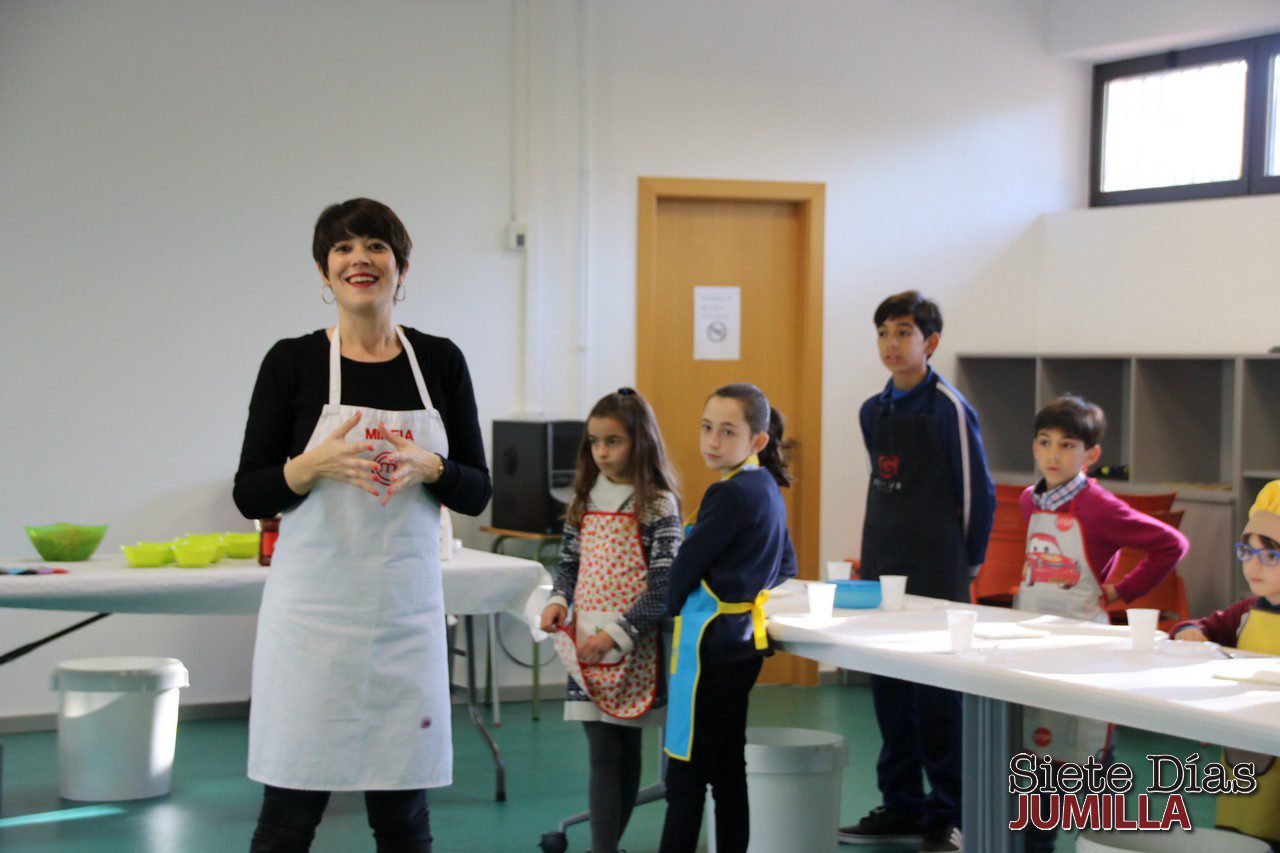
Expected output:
(988, 806)
(493, 679)
(499, 768)
(537, 681)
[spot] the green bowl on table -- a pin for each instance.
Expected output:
(216, 540)
(66, 543)
(148, 555)
(241, 546)
(195, 554)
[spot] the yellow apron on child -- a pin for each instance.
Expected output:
(1255, 814)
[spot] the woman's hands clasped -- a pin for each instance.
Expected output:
(335, 458)
(412, 464)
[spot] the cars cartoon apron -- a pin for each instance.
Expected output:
(701, 608)
(612, 574)
(350, 684)
(1255, 814)
(1057, 579)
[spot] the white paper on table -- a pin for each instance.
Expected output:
(1006, 631)
(717, 323)
(1252, 674)
(1064, 625)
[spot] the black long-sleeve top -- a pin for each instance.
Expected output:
(293, 386)
(739, 545)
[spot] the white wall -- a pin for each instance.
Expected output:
(1104, 30)
(163, 165)
(164, 162)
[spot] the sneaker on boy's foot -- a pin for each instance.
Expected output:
(942, 837)
(882, 826)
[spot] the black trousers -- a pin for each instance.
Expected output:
(717, 759)
(289, 819)
(921, 727)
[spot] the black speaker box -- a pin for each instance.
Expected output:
(533, 467)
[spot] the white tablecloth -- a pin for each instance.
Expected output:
(474, 582)
(1175, 689)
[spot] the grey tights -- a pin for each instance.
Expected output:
(615, 778)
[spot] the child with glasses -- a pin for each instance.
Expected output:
(1252, 624)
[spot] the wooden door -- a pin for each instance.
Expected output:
(766, 239)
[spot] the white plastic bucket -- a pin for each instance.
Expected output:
(117, 726)
(1170, 841)
(793, 785)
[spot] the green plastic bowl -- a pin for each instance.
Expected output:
(67, 543)
(147, 555)
(167, 546)
(194, 554)
(241, 546)
(215, 539)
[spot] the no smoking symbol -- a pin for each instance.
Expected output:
(385, 468)
(717, 332)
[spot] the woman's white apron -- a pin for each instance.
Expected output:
(350, 675)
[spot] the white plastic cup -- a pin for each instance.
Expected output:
(1142, 627)
(839, 570)
(960, 626)
(822, 600)
(893, 589)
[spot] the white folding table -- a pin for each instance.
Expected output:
(475, 583)
(1170, 690)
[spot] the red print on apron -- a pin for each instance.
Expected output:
(612, 574)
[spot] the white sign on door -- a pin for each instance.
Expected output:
(717, 323)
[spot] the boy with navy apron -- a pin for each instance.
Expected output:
(929, 510)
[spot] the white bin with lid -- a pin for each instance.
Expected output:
(793, 786)
(117, 726)
(1170, 841)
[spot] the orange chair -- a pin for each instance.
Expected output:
(1150, 504)
(1001, 572)
(1006, 492)
(1169, 596)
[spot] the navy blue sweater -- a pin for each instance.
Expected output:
(961, 445)
(739, 546)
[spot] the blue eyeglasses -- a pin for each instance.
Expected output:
(1266, 556)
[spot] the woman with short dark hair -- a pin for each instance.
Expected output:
(358, 434)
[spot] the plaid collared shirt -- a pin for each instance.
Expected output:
(1052, 499)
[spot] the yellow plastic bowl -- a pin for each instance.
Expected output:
(167, 547)
(214, 539)
(66, 543)
(146, 555)
(241, 546)
(194, 555)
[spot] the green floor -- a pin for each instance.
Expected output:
(213, 806)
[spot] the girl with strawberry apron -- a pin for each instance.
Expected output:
(618, 696)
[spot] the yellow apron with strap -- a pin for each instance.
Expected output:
(700, 609)
(1256, 814)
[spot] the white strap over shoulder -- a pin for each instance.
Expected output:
(335, 369)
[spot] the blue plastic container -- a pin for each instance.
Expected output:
(858, 595)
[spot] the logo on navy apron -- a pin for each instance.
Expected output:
(888, 467)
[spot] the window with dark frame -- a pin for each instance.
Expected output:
(1196, 123)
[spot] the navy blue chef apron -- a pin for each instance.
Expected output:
(914, 524)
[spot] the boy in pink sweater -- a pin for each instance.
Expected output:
(1075, 530)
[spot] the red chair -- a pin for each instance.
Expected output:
(1150, 504)
(1009, 493)
(1001, 572)
(1169, 596)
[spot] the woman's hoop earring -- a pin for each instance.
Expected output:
(329, 288)
(400, 293)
